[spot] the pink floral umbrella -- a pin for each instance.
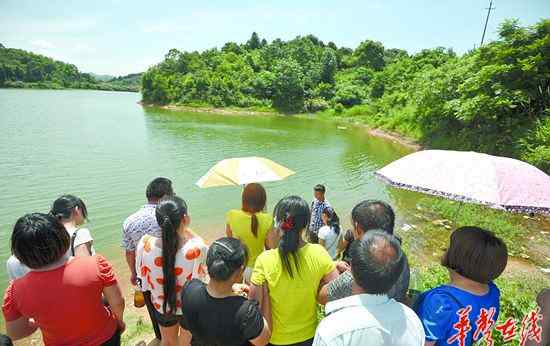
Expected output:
(498, 182)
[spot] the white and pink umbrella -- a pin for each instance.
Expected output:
(498, 182)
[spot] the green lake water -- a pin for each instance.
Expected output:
(104, 147)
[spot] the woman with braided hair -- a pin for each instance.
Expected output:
(289, 277)
(165, 264)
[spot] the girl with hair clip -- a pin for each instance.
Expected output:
(164, 264)
(217, 313)
(251, 224)
(289, 277)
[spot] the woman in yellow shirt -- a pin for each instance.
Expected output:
(251, 224)
(291, 276)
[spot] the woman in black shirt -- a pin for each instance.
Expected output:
(215, 313)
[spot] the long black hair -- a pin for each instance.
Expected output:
(333, 219)
(62, 208)
(225, 256)
(292, 215)
(169, 214)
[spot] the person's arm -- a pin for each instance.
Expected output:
(265, 335)
(83, 250)
(322, 243)
(131, 260)
(228, 231)
(342, 245)
(114, 297)
(543, 301)
(20, 328)
(322, 296)
(263, 338)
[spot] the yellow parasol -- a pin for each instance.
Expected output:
(242, 171)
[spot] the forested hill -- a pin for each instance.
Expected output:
(494, 99)
(22, 69)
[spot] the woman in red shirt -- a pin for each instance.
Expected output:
(62, 296)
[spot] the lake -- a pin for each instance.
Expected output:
(104, 147)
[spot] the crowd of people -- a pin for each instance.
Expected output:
(265, 283)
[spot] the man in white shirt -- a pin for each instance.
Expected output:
(369, 317)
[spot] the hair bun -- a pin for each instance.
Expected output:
(219, 268)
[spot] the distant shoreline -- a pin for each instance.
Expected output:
(29, 86)
(372, 131)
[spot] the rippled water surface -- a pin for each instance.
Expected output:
(105, 148)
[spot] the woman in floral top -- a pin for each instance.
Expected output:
(163, 265)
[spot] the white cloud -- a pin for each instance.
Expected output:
(42, 44)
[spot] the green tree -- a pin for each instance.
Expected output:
(288, 86)
(253, 42)
(370, 54)
(328, 65)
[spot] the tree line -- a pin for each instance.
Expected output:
(494, 99)
(22, 69)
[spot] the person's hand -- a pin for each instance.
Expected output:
(241, 290)
(121, 326)
(342, 266)
(133, 279)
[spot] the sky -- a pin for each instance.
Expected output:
(118, 37)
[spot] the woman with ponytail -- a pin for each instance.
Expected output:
(217, 313)
(164, 264)
(289, 277)
(251, 224)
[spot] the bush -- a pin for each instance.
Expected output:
(338, 108)
(315, 105)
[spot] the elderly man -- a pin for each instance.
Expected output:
(369, 316)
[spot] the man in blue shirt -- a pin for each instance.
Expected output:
(317, 206)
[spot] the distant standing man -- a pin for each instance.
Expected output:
(144, 222)
(317, 206)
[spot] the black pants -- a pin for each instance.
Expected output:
(114, 340)
(152, 312)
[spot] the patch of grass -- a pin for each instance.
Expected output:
(505, 225)
(136, 330)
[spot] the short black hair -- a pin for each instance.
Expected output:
(374, 214)
(376, 262)
(476, 254)
(159, 188)
(320, 188)
(224, 257)
(39, 240)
